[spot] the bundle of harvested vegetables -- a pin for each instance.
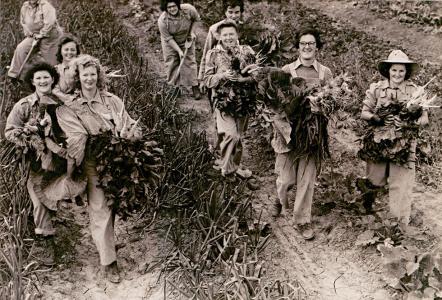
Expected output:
(393, 141)
(238, 98)
(128, 171)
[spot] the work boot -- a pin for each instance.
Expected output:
(112, 273)
(369, 192)
(243, 173)
(196, 92)
(44, 250)
(306, 231)
(276, 209)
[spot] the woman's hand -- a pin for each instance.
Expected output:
(229, 75)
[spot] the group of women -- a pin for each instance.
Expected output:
(70, 104)
(217, 71)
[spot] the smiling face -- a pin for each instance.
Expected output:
(307, 47)
(397, 73)
(42, 81)
(88, 78)
(233, 13)
(228, 37)
(68, 51)
(172, 8)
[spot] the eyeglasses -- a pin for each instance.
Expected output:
(303, 44)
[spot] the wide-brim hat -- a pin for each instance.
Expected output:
(397, 57)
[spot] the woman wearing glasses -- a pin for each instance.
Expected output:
(290, 169)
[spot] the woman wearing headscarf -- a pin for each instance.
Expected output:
(94, 112)
(175, 25)
(394, 119)
(39, 21)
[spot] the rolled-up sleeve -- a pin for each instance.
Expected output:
(194, 15)
(23, 13)
(211, 78)
(369, 103)
(15, 123)
(164, 31)
(75, 133)
(49, 19)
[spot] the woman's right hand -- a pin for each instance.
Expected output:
(229, 75)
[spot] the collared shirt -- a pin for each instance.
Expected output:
(218, 61)
(313, 74)
(40, 19)
(24, 110)
(82, 118)
(380, 94)
(177, 27)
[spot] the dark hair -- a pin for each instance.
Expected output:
(64, 40)
(384, 69)
(305, 31)
(233, 3)
(163, 4)
(41, 66)
(226, 24)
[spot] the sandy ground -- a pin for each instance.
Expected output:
(330, 267)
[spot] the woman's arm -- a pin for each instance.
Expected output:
(167, 37)
(49, 20)
(125, 126)
(75, 133)
(369, 104)
(211, 78)
(26, 30)
(14, 130)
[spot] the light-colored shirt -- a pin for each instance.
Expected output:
(313, 75)
(81, 118)
(211, 41)
(177, 27)
(40, 19)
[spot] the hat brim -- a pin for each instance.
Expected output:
(384, 67)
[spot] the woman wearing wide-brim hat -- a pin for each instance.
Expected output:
(390, 148)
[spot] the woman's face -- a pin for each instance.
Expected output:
(397, 73)
(228, 37)
(88, 78)
(307, 47)
(42, 81)
(68, 51)
(233, 13)
(172, 8)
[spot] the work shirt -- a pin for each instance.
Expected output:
(81, 118)
(380, 94)
(211, 41)
(218, 61)
(38, 20)
(177, 27)
(313, 75)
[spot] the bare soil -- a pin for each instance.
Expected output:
(329, 267)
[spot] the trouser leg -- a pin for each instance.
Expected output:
(305, 178)
(285, 169)
(42, 217)
(401, 182)
(230, 146)
(101, 219)
(20, 54)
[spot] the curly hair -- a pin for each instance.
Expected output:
(163, 4)
(86, 60)
(232, 4)
(64, 40)
(41, 66)
(308, 30)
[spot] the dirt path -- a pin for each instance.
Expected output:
(329, 268)
(422, 46)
